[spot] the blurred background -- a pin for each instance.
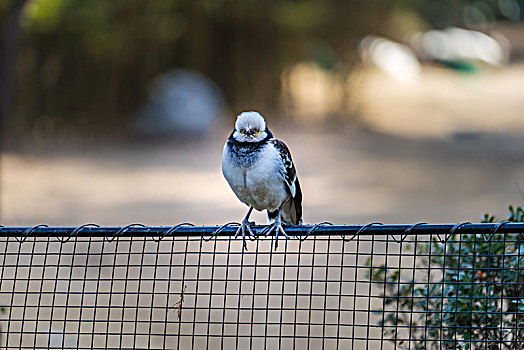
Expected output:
(395, 110)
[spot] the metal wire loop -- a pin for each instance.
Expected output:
(171, 230)
(313, 229)
(75, 232)
(27, 232)
(218, 230)
(496, 228)
(407, 232)
(452, 231)
(122, 230)
(266, 229)
(499, 225)
(360, 231)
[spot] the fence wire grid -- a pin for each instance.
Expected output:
(331, 287)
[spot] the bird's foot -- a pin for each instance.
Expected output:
(245, 227)
(277, 228)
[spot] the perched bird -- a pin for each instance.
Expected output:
(261, 173)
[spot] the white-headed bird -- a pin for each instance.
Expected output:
(260, 171)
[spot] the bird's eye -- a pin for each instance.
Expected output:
(258, 132)
(241, 132)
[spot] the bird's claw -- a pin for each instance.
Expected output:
(277, 228)
(245, 226)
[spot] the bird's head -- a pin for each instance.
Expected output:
(250, 127)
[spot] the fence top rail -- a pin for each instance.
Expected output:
(347, 232)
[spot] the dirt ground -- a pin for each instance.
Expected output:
(351, 176)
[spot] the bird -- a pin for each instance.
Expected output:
(261, 173)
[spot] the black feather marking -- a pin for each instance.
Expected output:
(272, 214)
(247, 152)
(289, 167)
(291, 179)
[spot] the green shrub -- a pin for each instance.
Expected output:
(470, 298)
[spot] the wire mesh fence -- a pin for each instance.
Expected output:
(354, 287)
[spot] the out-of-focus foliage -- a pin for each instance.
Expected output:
(465, 12)
(86, 64)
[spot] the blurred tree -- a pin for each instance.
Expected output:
(86, 64)
(10, 12)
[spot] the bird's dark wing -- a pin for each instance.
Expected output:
(290, 173)
(291, 179)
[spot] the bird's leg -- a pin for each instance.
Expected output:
(277, 227)
(244, 226)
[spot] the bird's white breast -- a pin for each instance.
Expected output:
(259, 183)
